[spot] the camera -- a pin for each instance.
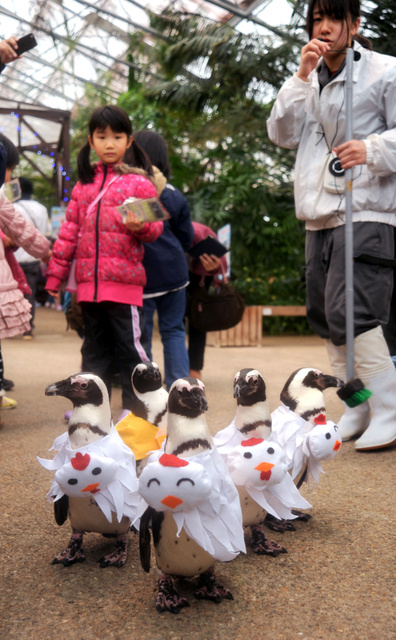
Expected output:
(334, 180)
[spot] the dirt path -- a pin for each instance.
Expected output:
(337, 580)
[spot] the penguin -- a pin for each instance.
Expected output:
(95, 483)
(151, 398)
(252, 424)
(143, 429)
(303, 408)
(188, 543)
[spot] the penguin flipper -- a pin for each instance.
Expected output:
(145, 539)
(61, 509)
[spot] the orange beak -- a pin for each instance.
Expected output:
(171, 501)
(265, 468)
(92, 488)
(337, 445)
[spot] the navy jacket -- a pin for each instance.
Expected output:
(164, 259)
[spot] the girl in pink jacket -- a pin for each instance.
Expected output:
(109, 272)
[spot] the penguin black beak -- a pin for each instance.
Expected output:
(58, 388)
(241, 389)
(197, 400)
(326, 382)
(237, 391)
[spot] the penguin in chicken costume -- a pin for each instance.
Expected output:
(143, 429)
(95, 483)
(190, 502)
(257, 464)
(300, 423)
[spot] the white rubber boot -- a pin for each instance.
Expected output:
(376, 370)
(355, 420)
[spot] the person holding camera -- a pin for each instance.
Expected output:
(309, 114)
(8, 51)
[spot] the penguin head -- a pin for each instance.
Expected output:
(187, 398)
(91, 416)
(249, 387)
(81, 389)
(146, 377)
(303, 391)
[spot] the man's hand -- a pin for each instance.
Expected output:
(8, 50)
(351, 153)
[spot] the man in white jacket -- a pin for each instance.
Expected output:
(309, 114)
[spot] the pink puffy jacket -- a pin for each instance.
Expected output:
(109, 257)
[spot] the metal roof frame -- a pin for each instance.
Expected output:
(58, 150)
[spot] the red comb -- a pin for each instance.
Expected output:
(169, 460)
(80, 461)
(251, 442)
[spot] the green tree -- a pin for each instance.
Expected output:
(211, 105)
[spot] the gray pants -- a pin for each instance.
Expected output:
(32, 271)
(373, 246)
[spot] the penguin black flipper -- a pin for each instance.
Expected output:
(145, 539)
(61, 509)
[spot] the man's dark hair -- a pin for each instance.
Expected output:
(26, 188)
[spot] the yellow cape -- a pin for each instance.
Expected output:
(140, 435)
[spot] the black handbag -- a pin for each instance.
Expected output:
(215, 309)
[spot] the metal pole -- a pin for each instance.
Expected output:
(350, 333)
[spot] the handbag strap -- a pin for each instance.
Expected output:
(100, 195)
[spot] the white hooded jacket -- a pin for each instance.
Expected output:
(315, 123)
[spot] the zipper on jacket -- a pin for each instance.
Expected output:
(96, 275)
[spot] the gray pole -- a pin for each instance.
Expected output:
(350, 334)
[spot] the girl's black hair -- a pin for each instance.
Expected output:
(340, 10)
(155, 146)
(12, 152)
(118, 120)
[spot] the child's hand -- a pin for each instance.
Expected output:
(7, 242)
(47, 258)
(210, 263)
(133, 223)
(52, 292)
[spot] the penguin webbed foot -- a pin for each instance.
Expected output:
(118, 557)
(210, 589)
(300, 515)
(262, 546)
(168, 598)
(278, 525)
(74, 552)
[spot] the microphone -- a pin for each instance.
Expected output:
(356, 54)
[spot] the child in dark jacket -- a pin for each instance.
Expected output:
(109, 272)
(165, 263)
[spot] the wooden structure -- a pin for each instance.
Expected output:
(248, 332)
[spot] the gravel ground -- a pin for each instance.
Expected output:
(337, 580)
